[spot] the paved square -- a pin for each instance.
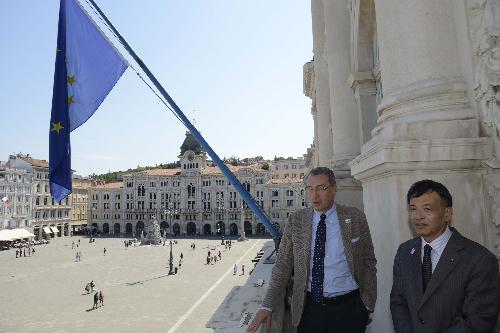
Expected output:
(45, 292)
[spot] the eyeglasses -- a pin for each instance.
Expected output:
(319, 188)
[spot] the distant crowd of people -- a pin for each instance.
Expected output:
(21, 252)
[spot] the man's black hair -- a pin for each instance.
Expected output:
(323, 171)
(424, 186)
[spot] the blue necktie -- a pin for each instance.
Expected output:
(318, 270)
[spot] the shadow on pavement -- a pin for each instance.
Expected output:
(130, 284)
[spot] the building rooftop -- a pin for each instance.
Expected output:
(33, 161)
(161, 172)
(115, 185)
(277, 181)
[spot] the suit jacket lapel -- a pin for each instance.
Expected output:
(416, 265)
(307, 233)
(345, 228)
(450, 258)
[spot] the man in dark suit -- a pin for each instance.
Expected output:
(330, 250)
(443, 282)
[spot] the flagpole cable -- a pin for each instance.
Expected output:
(222, 166)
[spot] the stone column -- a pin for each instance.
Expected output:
(335, 38)
(363, 85)
(323, 118)
(343, 108)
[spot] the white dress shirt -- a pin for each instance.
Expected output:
(438, 246)
(338, 279)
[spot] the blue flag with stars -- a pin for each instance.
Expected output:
(87, 68)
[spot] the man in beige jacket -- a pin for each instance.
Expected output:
(330, 251)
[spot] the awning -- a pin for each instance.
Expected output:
(13, 234)
(47, 230)
(54, 229)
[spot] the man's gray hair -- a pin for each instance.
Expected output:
(323, 171)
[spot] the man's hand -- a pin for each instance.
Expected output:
(260, 316)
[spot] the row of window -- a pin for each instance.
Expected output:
(293, 166)
(46, 200)
(42, 175)
(45, 214)
(191, 204)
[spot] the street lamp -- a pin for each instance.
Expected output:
(242, 224)
(170, 214)
(222, 226)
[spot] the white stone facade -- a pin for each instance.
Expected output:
(79, 202)
(288, 168)
(404, 91)
(49, 219)
(193, 199)
(15, 187)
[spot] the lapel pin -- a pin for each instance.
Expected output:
(347, 221)
(412, 251)
(452, 259)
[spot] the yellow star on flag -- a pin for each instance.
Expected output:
(71, 80)
(70, 100)
(56, 127)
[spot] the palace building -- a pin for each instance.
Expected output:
(196, 198)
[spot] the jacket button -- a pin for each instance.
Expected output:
(422, 321)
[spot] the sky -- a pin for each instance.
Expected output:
(232, 66)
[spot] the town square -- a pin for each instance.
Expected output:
(45, 292)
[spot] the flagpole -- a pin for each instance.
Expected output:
(225, 170)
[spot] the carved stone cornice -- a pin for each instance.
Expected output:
(424, 155)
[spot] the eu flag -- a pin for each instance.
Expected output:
(87, 68)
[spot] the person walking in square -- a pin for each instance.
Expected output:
(242, 269)
(104, 251)
(96, 300)
(235, 269)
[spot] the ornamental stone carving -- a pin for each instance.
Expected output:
(308, 75)
(485, 36)
(494, 195)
